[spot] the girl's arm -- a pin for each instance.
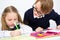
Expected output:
(25, 29)
(5, 34)
(9, 33)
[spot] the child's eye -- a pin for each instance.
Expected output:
(10, 19)
(15, 19)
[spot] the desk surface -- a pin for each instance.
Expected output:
(28, 37)
(24, 37)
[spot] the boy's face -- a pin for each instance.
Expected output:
(10, 18)
(37, 9)
(38, 6)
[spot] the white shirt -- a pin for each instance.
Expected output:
(24, 29)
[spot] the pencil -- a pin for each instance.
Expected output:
(16, 26)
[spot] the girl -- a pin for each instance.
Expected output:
(9, 16)
(40, 14)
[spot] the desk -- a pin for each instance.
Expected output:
(21, 37)
(25, 37)
(29, 37)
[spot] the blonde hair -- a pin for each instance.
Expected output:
(46, 5)
(7, 10)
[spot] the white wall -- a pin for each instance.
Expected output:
(57, 6)
(23, 5)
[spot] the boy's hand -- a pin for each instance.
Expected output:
(39, 29)
(49, 28)
(58, 27)
(15, 33)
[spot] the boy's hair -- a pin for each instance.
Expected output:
(46, 5)
(7, 10)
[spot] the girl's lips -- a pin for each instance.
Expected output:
(12, 25)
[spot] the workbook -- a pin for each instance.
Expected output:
(46, 33)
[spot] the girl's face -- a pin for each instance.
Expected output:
(10, 18)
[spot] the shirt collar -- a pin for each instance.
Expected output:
(38, 17)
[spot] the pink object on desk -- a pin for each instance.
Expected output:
(36, 35)
(48, 33)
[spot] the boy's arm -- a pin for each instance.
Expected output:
(56, 17)
(25, 20)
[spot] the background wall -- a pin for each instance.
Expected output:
(23, 5)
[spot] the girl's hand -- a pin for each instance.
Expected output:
(15, 33)
(58, 27)
(39, 29)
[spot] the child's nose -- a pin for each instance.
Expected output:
(12, 23)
